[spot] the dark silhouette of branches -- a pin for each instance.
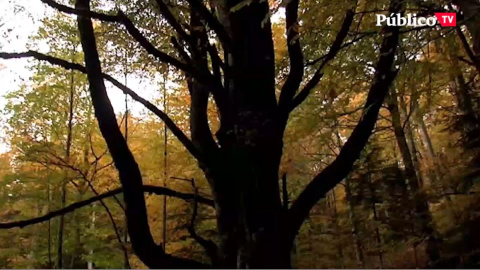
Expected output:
(350, 152)
(69, 65)
(72, 207)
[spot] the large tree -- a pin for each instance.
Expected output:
(241, 159)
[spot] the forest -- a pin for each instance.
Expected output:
(239, 134)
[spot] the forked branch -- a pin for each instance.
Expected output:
(350, 152)
(333, 51)
(295, 75)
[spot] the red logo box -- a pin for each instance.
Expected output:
(447, 19)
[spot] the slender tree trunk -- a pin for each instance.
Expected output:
(409, 135)
(92, 227)
(77, 252)
(61, 229)
(126, 263)
(165, 169)
(401, 139)
(65, 181)
(427, 142)
(351, 210)
(378, 236)
(422, 212)
(469, 124)
(354, 224)
(49, 203)
(337, 230)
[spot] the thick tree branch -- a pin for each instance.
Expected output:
(86, 13)
(212, 22)
(295, 54)
(202, 136)
(217, 62)
(165, 10)
(334, 49)
(181, 50)
(350, 152)
(74, 206)
(68, 65)
(130, 176)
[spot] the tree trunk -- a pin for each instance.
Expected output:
(409, 135)
(126, 262)
(242, 170)
(378, 236)
(427, 142)
(92, 227)
(165, 171)
(65, 181)
(468, 122)
(401, 139)
(49, 225)
(337, 231)
(248, 204)
(351, 210)
(78, 248)
(354, 223)
(421, 209)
